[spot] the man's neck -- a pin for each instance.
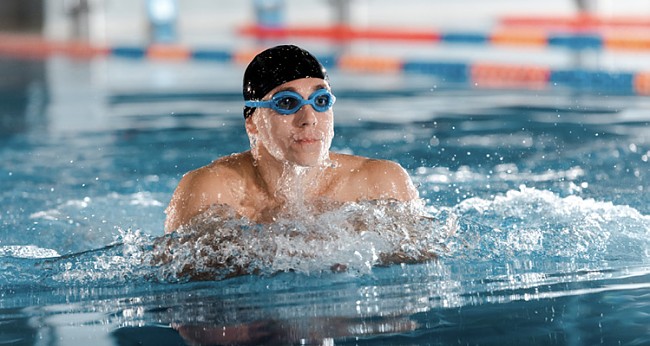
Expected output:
(288, 182)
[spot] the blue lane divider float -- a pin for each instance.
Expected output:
(465, 38)
(455, 72)
(576, 42)
(211, 55)
(128, 52)
(595, 81)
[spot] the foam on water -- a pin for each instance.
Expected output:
(353, 238)
(27, 251)
(540, 223)
(79, 224)
(521, 224)
(356, 237)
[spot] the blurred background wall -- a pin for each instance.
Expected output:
(29, 84)
(205, 21)
(21, 15)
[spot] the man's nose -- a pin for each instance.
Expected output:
(306, 116)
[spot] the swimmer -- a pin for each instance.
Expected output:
(289, 169)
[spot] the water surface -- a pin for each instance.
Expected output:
(546, 193)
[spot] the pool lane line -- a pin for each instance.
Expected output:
(474, 74)
(525, 37)
(510, 76)
(578, 22)
(339, 32)
(35, 47)
(477, 74)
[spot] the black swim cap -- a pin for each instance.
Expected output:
(276, 66)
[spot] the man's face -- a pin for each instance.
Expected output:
(303, 138)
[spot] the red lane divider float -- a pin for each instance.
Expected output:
(30, 46)
(339, 32)
(527, 36)
(579, 22)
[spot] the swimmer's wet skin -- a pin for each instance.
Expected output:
(289, 171)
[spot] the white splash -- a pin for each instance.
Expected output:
(356, 237)
(27, 251)
(538, 221)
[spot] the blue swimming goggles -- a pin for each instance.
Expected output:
(289, 102)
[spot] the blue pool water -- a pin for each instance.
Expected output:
(536, 204)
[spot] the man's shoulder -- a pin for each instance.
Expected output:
(223, 171)
(376, 178)
(217, 183)
(236, 164)
(365, 165)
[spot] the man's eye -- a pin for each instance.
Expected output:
(288, 103)
(322, 101)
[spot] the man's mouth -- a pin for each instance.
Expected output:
(308, 140)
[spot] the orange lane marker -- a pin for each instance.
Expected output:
(168, 52)
(642, 83)
(620, 42)
(369, 64)
(520, 37)
(486, 75)
(245, 56)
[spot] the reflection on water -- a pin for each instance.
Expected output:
(23, 94)
(301, 331)
(410, 304)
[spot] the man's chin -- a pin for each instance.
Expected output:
(310, 162)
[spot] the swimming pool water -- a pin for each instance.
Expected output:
(547, 193)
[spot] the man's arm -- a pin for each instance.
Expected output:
(187, 201)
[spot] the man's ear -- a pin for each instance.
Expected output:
(251, 128)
